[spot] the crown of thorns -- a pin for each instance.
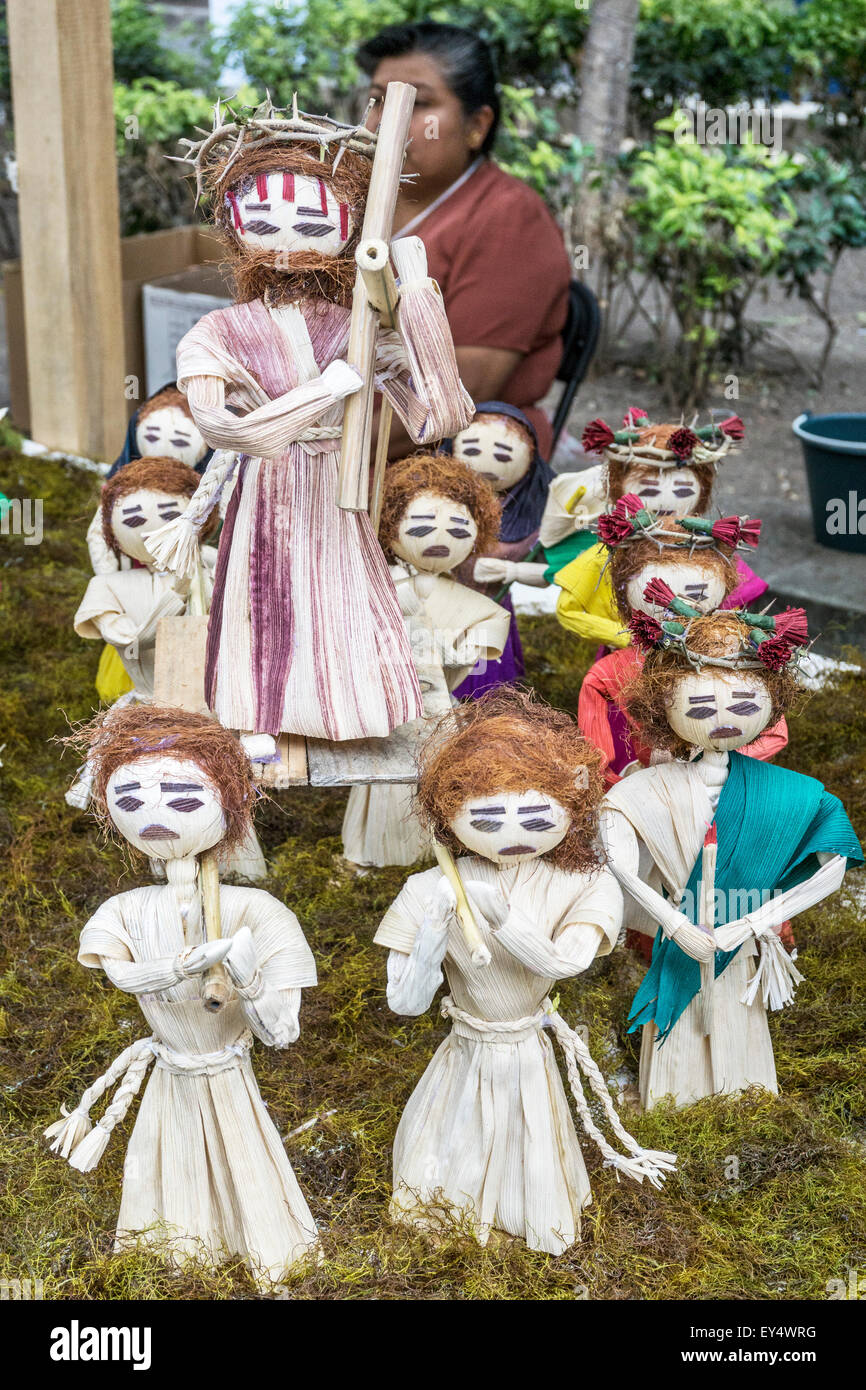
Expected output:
(629, 520)
(248, 128)
(768, 641)
(662, 446)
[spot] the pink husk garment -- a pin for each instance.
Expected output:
(305, 634)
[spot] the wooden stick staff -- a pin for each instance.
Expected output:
(215, 982)
(354, 479)
(707, 918)
(473, 938)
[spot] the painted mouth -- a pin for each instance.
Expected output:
(518, 849)
(157, 832)
(436, 550)
(491, 477)
(726, 731)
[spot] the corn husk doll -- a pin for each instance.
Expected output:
(487, 1135)
(124, 606)
(205, 1168)
(671, 470)
(162, 427)
(305, 633)
(500, 444)
(652, 560)
(436, 514)
(697, 840)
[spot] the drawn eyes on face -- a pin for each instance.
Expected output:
(152, 436)
(128, 803)
(702, 707)
(459, 532)
(180, 442)
(747, 703)
(684, 491)
(185, 803)
(648, 491)
(696, 591)
(420, 530)
(133, 521)
(489, 819)
(259, 227)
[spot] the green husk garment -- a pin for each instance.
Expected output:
(563, 552)
(771, 823)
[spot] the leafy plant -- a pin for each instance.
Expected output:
(140, 48)
(720, 51)
(707, 224)
(829, 54)
(150, 116)
(830, 201)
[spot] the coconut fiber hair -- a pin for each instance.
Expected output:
(647, 698)
(149, 474)
(163, 400)
(628, 559)
(446, 477)
(123, 736)
(289, 276)
(508, 741)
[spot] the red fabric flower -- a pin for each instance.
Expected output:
(657, 591)
(632, 415)
(791, 624)
(646, 633)
(774, 652)
(727, 530)
(750, 530)
(596, 436)
(629, 504)
(682, 443)
(733, 427)
(614, 526)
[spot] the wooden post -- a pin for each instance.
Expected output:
(70, 228)
(354, 482)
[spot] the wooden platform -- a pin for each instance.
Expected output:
(179, 681)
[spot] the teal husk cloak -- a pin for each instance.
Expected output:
(771, 823)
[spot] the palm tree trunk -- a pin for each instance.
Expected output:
(605, 73)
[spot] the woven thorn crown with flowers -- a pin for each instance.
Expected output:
(663, 446)
(629, 520)
(771, 641)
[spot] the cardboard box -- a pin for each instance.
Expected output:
(171, 306)
(152, 256)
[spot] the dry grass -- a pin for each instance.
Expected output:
(794, 1217)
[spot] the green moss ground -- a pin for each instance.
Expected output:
(793, 1218)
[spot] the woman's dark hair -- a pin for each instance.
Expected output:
(466, 62)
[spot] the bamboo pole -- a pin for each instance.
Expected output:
(445, 860)
(215, 982)
(354, 480)
(707, 918)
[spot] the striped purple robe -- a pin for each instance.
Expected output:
(305, 633)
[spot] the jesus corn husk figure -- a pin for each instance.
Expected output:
(205, 1169)
(305, 632)
(697, 840)
(514, 790)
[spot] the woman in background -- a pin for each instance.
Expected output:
(492, 244)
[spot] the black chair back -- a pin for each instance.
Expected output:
(579, 341)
